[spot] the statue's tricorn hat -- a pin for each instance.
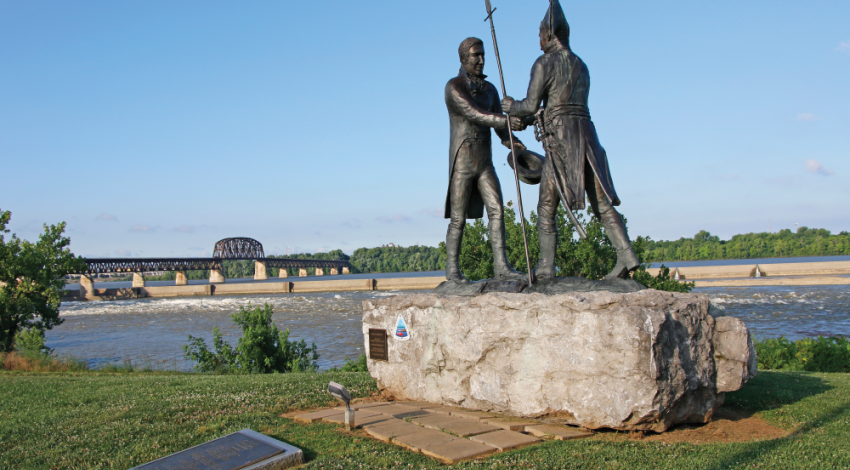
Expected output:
(530, 165)
(555, 20)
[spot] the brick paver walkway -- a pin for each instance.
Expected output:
(443, 432)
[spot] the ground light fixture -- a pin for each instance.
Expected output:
(340, 393)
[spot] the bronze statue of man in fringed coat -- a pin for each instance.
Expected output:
(576, 162)
(474, 108)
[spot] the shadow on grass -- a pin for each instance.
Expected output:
(756, 451)
(771, 389)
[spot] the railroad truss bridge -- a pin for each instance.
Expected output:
(227, 249)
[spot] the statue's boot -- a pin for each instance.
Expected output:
(615, 230)
(454, 237)
(545, 268)
(501, 266)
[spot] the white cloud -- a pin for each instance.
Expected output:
(107, 217)
(142, 228)
(125, 253)
(844, 46)
(394, 218)
(438, 212)
(185, 229)
(816, 167)
(807, 117)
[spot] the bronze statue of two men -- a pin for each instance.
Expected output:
(575, 163)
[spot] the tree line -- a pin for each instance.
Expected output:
(589, 258)
(785, 243)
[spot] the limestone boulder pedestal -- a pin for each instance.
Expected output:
(633, 361)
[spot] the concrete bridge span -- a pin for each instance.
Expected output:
(226, 249)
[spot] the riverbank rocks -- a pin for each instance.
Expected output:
(633, 361)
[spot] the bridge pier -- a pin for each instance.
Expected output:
(87, 287)
(260, 273)
(320, 272)
(180, 279)
(216, 276)
(302, 272)
(138, 280)
(283, 274)
(334, 271)
(345, 270)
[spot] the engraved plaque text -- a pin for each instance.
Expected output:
(378, 344)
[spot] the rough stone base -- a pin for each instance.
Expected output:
(636, 361)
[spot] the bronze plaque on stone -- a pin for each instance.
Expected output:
(378, 345)
(230, 452)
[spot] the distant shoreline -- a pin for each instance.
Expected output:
(740, 261)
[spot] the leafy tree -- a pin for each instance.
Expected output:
(31, 280)
(262, 349)
(476, 253)
(31, 342)
(591, 258)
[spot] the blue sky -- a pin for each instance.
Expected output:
(157, 128)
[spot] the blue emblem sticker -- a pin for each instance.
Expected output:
(402, 333)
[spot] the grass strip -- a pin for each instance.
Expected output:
(97, 420)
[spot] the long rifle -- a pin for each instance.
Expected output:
(490, 11)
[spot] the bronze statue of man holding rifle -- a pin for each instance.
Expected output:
(576, 161)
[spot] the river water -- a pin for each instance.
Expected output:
(153, 331)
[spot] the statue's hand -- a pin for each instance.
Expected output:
(507, 102)
(517, 124)
(519, 146)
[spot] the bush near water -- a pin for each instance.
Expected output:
(263, 348)
(819, 354)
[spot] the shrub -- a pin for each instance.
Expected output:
(808, 354)
(30, 342)
(358, 365)
(661, 282)
(262, 348)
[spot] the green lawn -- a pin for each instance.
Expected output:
(98, 420)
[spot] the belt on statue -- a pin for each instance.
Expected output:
(575, 110)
